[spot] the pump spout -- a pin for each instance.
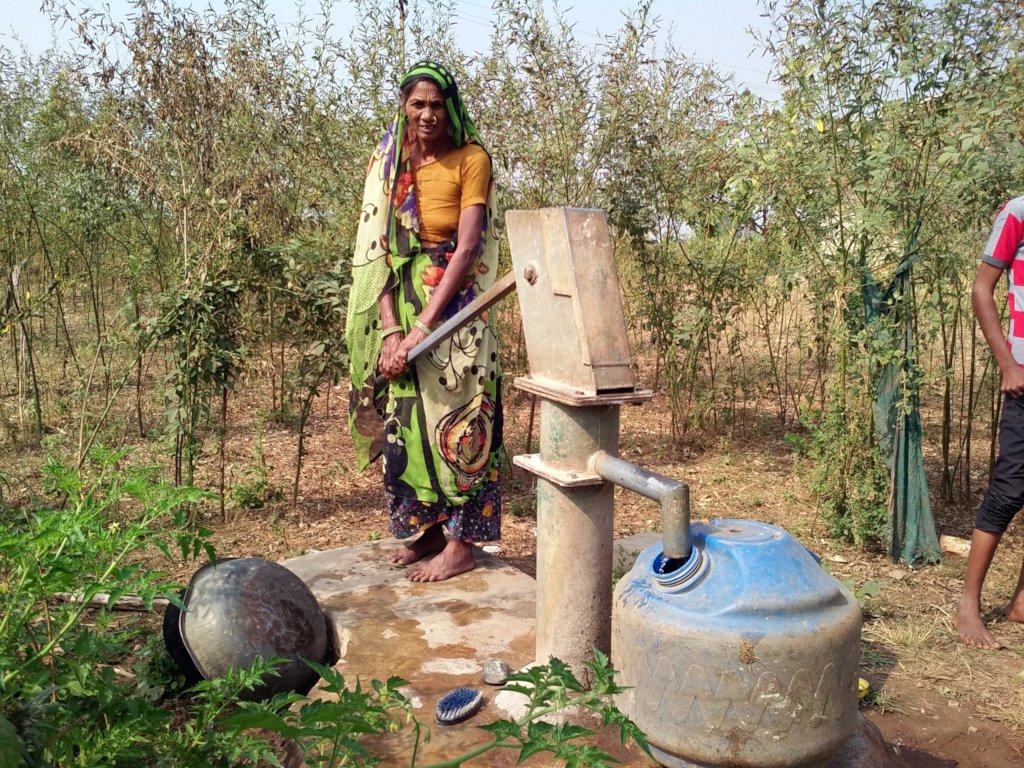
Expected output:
(673, 495)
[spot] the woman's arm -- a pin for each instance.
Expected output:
(471, 227)
(389, 363)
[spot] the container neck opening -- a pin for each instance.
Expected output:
(675, 572)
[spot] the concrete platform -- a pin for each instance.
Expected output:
(437, 636)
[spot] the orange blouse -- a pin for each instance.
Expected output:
(446, 186)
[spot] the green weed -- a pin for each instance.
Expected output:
(329, 729)
(253, 489)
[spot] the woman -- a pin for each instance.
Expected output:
(425, 248)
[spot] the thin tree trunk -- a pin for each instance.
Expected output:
(26, 347)
(948, 356)
(223, 439)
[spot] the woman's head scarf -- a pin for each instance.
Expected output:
(458, 117)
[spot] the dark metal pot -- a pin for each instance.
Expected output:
(238, 610)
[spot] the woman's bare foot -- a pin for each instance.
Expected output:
(972, 629)
(457, 557)
(432, 540)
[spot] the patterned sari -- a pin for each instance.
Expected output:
(442, 419)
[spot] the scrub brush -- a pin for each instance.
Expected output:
(458, 705)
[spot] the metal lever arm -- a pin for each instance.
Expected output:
(501, 288)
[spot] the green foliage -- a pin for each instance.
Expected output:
(798, 442)
(202, 740)
(225, 151)
(192, 204)
(314, 321)
(201, 326)
(551, 688)
(882, 700)
(849, 477)
(10, 744)
(329, 730)
(65, 698)
(157, 675)
(58, 685)
(864, 592)
(252, 488)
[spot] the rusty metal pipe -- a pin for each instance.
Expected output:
(673, 495)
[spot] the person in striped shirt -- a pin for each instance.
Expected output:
(1004, 253)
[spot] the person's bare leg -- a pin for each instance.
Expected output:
(1015, 610)
(971, 628)
(430, 541)
(457, 557)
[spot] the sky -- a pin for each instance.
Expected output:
(709, 31)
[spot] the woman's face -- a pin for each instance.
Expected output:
(425, 112)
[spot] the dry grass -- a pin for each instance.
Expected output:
(913, 634)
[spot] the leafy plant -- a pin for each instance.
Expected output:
(65, 699)
(872, 658)
(252, 489)
(314, 320)
(58, 687)
(329, 731)
(550, 688)
(201, 327)
(798, 442)
(156, 674)
(882, 700)
(849, 476)
(864, 592)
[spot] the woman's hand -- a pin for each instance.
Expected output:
(414, 337)
(391, 363)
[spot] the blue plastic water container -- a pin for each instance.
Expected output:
(745, 654)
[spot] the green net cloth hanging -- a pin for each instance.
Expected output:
(897, 416)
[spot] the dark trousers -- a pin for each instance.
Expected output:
(1005, 495)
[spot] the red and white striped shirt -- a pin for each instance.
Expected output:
(1005, 250)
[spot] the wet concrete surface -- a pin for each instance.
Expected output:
(437, 636)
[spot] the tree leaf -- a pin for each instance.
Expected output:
(10, 744)
(260, 718)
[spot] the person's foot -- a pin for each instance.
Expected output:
(433, 540)
(1015, 610)
(972, 629)
(457, 557)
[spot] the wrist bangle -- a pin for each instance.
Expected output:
(389, 331)
(422, 326)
